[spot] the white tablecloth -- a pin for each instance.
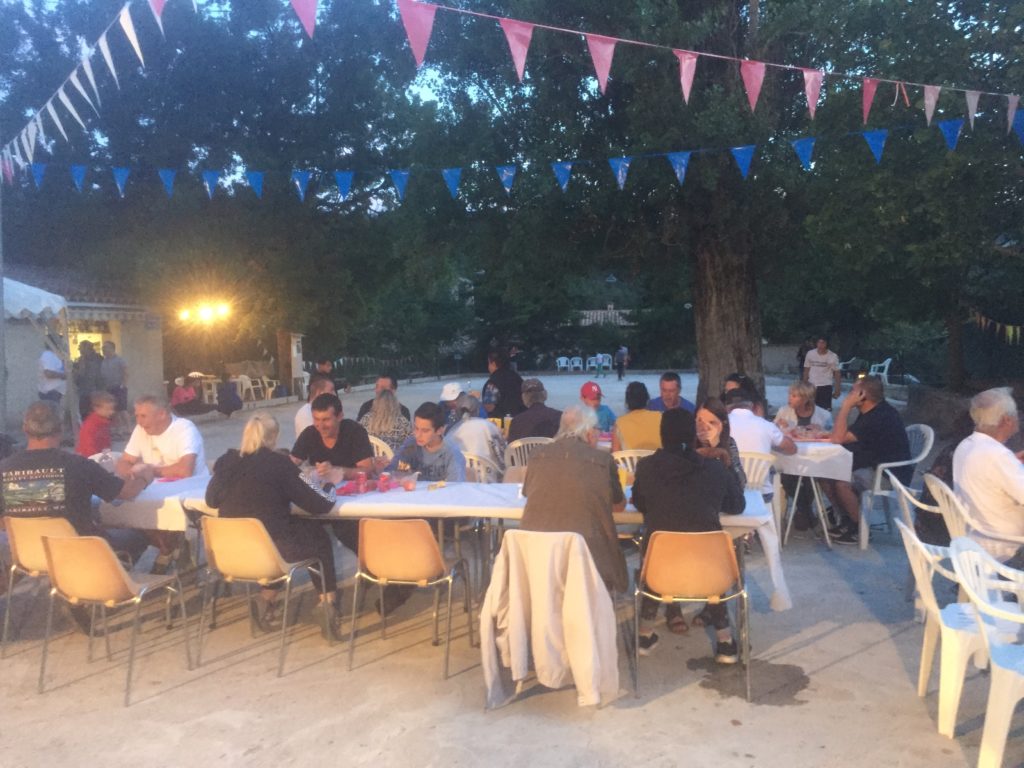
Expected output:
(814, 459)
(158, 507)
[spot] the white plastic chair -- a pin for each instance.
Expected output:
(269, 385)
(984, 579)
(921, 438)
(247, 388)
(881, 370)
(517, 453)
(955, 624)
(592, 364)
(576, 364)
(627, 459)
(481, 470)
(604, 363)
(561, 364)
(951, 508)
(380, 448)
(846, 367)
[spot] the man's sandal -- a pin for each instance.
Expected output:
(677, 624)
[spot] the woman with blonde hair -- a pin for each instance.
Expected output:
(258, 481)
(385, 420)
(801, 411)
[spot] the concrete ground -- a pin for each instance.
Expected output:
(834, 680)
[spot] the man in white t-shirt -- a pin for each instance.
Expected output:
(173, 448)
(53, 384)
(821, 368)
(753, 433)
(989, 477)
(318, 385)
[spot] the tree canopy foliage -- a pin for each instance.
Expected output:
(850, 247)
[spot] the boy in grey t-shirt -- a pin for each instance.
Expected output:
(427, 452)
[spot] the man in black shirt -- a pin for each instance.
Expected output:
(502, 395)
(384, 381)
(537, 420)
(877, 437)
(337, 447)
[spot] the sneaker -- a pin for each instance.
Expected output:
(648, 643)
(726, 653)
(846, 524)
(161, 565)
(846, 536)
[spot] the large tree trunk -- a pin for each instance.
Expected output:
(728, 317)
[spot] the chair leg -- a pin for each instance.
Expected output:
(819, 504)
(131, 654)
(207, 587)
(468, 601)
(448, 625)
(790, 511)
(956, 651)
(7, 611)
(1003, 694)
(325, 608)
(355, 609)
(92, 632)
(252, 609)
(184, 623)
(928, 644)
(745, 607)
(864, 529)
(46, 640)
(284, 623)
(636, 641)
(437, 605)
(383, 613)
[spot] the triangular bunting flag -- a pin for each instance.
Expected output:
(562, 172)
(1018, 126)
(167, 177)
(812, 88)
(29, 150)
(620, 167)
(255, 180)
(507, 175)
(78, 176)
(602, 49)
(69, 106)
(31, 130)
(1011, 110)
(306, 11)
(804, 148)
(518, 34)
(105, 50)
(56, 120)
(752, 73)
(743, 156)
(687, 68)
(157, 6)
(876, 142)
(418, 20)
(73, 77)
(868, 96)
(452, 176)
(121, 178)
(5, 166)
(344, 181)
(129, 31)
(931, 98)
(210, 179)
(679, 161)
(301, 181)
(90, 76)
(38, 120)
(972, 105)
(951, 131)
(38, 169)
(400, 179)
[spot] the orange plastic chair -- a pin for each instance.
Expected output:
(693, 568)
(405, 552)
(85, 571)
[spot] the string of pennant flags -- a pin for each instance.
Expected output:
(418, 20)
(1009, 334)
(562, 170)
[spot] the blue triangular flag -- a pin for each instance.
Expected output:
(679, 161)
(210, 179)
(255, 179)
(38, 169)
(400, 179)
(1018, 125)
(620, 167)
(804, 148)
(78, 176)
(452, 176)
(167, 177)
(951, 131)
(121, 178)
(876, 142)
(743, 156)
(507, 175)
(562, 172)
(344, 181)
(301, 179)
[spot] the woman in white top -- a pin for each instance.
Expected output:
(800, 411)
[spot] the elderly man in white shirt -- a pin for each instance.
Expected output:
(989, 477)
(753, 433)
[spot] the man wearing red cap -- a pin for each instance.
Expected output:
(590, 394)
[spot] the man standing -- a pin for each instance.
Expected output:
(753, 433)
(676, 489)
(670, 385)
(384, 381)
(427, 452)
(621, 358)
(114, 375)
(171, 448)
(87, 374)
(591, 394)
(574, 486)
(877, 437)
(989, 477)
(53, 383)
(502, 395)
(537, 420)
(821, 368)
(318, 385)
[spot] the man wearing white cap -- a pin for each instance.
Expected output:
(591, 394)
(449, 395)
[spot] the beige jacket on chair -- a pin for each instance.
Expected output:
(547, 602)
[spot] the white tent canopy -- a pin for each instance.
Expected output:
(24, 301)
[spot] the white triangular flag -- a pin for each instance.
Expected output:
(105, 50)
(17, 155)
(129, 31)
(39, 129)
(31, 129)
(69, 106)
(73, 77)
(24, 142)
(972, 105)
(56, 120)
(87, 67)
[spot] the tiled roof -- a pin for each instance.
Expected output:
(608, 316)
(74, 285)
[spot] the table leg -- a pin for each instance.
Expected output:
(820, 504)
(791, 511)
